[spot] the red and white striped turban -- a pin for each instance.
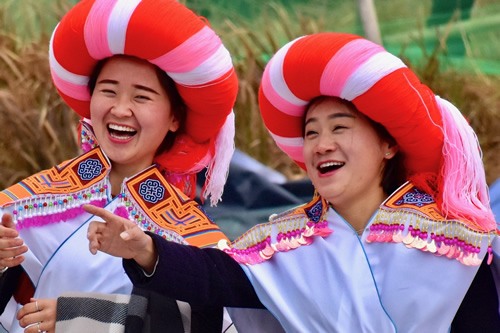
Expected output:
(437, 144)
(169, 35)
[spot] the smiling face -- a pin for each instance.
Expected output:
(130, 112)
(343, 153)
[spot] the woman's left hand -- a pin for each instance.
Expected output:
(38, 316)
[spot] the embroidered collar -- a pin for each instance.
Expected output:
(58, 194)
(409, 216)
(295, 227)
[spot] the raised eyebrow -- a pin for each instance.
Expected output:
(137, 86)
(331, 116)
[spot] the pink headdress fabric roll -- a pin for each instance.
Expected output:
(169, 35)
(440, 150)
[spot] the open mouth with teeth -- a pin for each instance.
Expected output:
(121, 132)
(329, 166)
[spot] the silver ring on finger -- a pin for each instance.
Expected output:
(39, 329)
(36, 306)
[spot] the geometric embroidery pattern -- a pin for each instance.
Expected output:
(415, 197)
(411, 199)
(151, 191)
(315, 212)
(171, 209)
(89, 169)
(70, 176)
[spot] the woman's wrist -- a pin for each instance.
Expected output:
(148, 258)
(152, 272)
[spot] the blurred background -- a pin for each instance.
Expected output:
(453, 45)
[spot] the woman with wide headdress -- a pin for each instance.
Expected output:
(154, 87)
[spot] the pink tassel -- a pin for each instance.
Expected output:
(121, 211)
(254, 254)
(267, 252)
(86, 147)
(321, 229)
(490, 255)
(282, 245)
(464, 193)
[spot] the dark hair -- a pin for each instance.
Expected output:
(394, 171)
(177, 105)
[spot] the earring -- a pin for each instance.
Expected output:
(387, 154)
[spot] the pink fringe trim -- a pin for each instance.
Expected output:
(122, 212)
(86, 147)
(71, 213)
(254, 254)
(451, 247)
(285, 241)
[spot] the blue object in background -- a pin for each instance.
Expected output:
(495, 199)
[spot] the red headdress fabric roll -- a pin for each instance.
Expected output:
(169, 35)
(438, 146)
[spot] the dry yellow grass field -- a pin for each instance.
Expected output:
(38, 131)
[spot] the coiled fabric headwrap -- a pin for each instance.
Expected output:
(171, 36)
(440, 150)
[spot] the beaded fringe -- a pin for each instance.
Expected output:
(256, 245)
(53, 208)
(452, 239)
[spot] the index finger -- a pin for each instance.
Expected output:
(104, 214)
(112, 220)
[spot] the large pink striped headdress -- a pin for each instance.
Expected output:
(440, 150)
(169, 35)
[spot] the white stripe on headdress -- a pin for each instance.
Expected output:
(369, 73)
(216, 66)
(60, 71)
(345, 62)
(292, 146)
(70, 84)
(191, 53)
(277, 79)
(118, 23)
(296, 142)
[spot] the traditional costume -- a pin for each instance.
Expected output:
(47, 207)
(410, 268)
